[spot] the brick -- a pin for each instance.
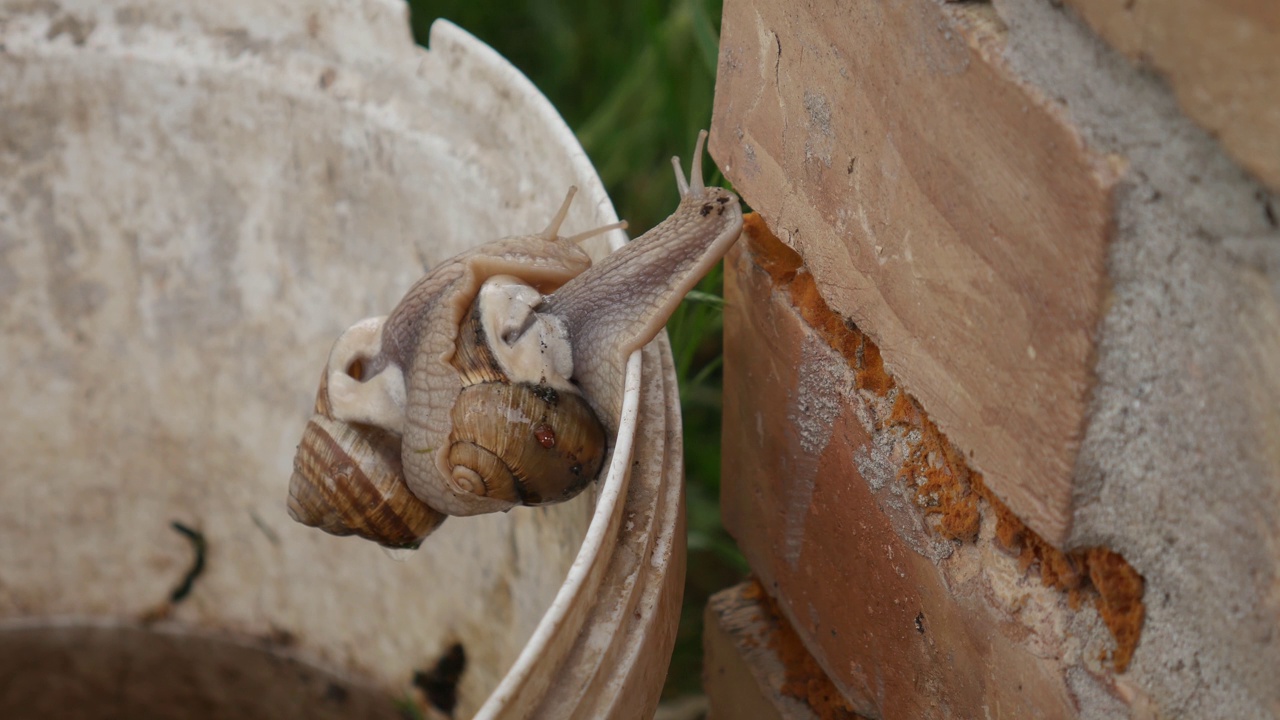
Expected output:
(937, 200)
(900, 591)
(750, 660)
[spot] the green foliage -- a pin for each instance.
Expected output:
(635, 81)
(408, 709)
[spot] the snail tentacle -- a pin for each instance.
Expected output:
(620, 303)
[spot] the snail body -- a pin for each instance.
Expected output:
(499, 374)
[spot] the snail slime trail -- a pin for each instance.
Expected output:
(497, 380)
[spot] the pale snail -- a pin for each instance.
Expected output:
(497, 380)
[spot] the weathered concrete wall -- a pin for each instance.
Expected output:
(915, 155)
(1180, 467)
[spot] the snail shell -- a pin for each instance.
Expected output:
(347, 474)
(521, 431)
(501, 370)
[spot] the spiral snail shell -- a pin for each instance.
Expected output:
(348, 478)
(497, 379)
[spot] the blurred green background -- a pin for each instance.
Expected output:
(635, 81)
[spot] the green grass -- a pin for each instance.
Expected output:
(635, 81)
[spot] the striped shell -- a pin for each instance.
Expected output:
(348, 478)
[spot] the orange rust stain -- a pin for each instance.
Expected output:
(1098, 574)
(1120, 588)
(804, 678)
(946, 487)
(942, 480)
(905, 411)
(871, 373)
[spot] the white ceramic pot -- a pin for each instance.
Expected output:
(195, 199)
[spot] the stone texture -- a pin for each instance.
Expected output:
(1180, 467)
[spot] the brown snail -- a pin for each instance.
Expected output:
(497, 380)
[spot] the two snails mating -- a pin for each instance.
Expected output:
(497, 380)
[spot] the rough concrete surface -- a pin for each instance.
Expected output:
(188, 218)
(1220, 60)
(1180, 468)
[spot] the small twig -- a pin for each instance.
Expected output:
(264, 527)
(197, 567)
(705, 298)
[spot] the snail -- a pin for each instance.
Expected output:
(497, 380)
